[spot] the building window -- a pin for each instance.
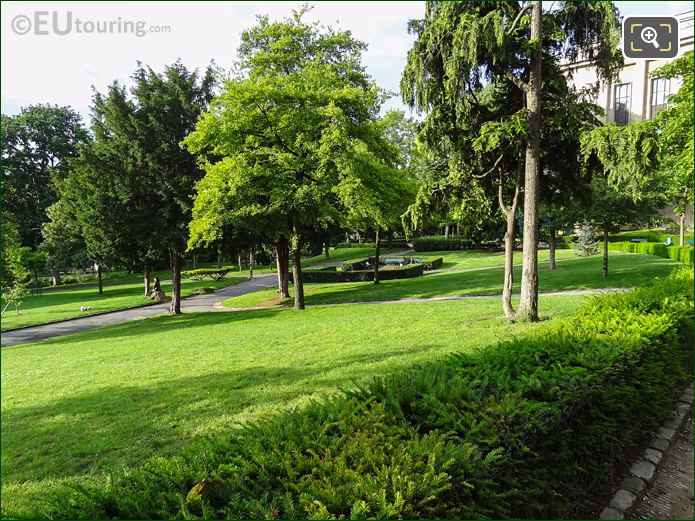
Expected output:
(621, 107)
(661, 88)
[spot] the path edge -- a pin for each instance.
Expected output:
(644, 469)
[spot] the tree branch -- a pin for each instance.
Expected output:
(497, 162)
(517, 81)
(518, 17)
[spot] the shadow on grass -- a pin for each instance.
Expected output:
(121, 425)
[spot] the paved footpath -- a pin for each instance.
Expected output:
(671, 494)
(193, 304)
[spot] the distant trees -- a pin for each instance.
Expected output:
(13, 273)
(36, 146)
(293, 141)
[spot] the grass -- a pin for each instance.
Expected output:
(80, 405)
(579, 273)
(462, 259)
(62, 304)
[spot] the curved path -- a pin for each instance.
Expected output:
(188, 305)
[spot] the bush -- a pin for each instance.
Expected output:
(441, 243)
(406, 272)
(360, 264)
(430, 263)
(530, 428)
(213, 273)
(395, 243)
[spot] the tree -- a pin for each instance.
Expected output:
(131, 186)
(462, 45)
(611, 208)
(14, 274)
(676, 136)
(62, 240)
(35, 146)
(291, 138)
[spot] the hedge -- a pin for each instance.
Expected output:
(395, 243)
(406, 272)
(682, 254)
(430, 263)
(213, 273)
(530, 428)
(441, 243)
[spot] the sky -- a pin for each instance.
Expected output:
(63, 69)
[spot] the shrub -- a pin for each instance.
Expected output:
(441, 243)
(360, 264)
(585, 243)
(406, 272)
(430, 263)
(682, 254)
(395, 243)
(530, 428)
(213, 273)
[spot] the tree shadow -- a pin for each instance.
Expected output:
(102, 429)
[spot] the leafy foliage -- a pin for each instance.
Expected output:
(585, 243)
(213, 273)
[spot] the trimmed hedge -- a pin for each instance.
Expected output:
(213, 273)
(406, 272)
(530, 428)
(682, 254)
(440, 243)
(395, 243)
(359, 264)
(430, 263)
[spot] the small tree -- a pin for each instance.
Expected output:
(586, 244)
(14, 275)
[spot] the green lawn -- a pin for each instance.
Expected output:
(462, 259)
(65, 303)
(86, 403)
(625, 270)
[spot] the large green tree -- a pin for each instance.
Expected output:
(462, 45)
(36, 144)
(292, 139)
(676, 137)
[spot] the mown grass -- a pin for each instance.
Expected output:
(80, 405)
(56, 305)
(579, 273)
(463, 259)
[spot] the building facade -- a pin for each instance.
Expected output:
(636, 95)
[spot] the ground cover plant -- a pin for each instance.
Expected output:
(84, 404)
(529, 428)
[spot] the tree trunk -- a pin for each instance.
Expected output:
(252, 260)
(327, 249)
(551, 248)
(219, 258)
(681, 231)
(147, 279)
(175, 262)
(283, 263)
(528, 305)
(101, 284)
(376, 258)
(389, 239)
(509, 214)
(605, 250)
(238, 257)
(195, 258)
(297, 265)
(458, 234)
(446, 231)
(55, 274)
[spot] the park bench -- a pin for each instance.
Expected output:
(690, 242)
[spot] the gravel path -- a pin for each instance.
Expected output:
(671, 494)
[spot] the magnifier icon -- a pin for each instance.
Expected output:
(648, 35)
